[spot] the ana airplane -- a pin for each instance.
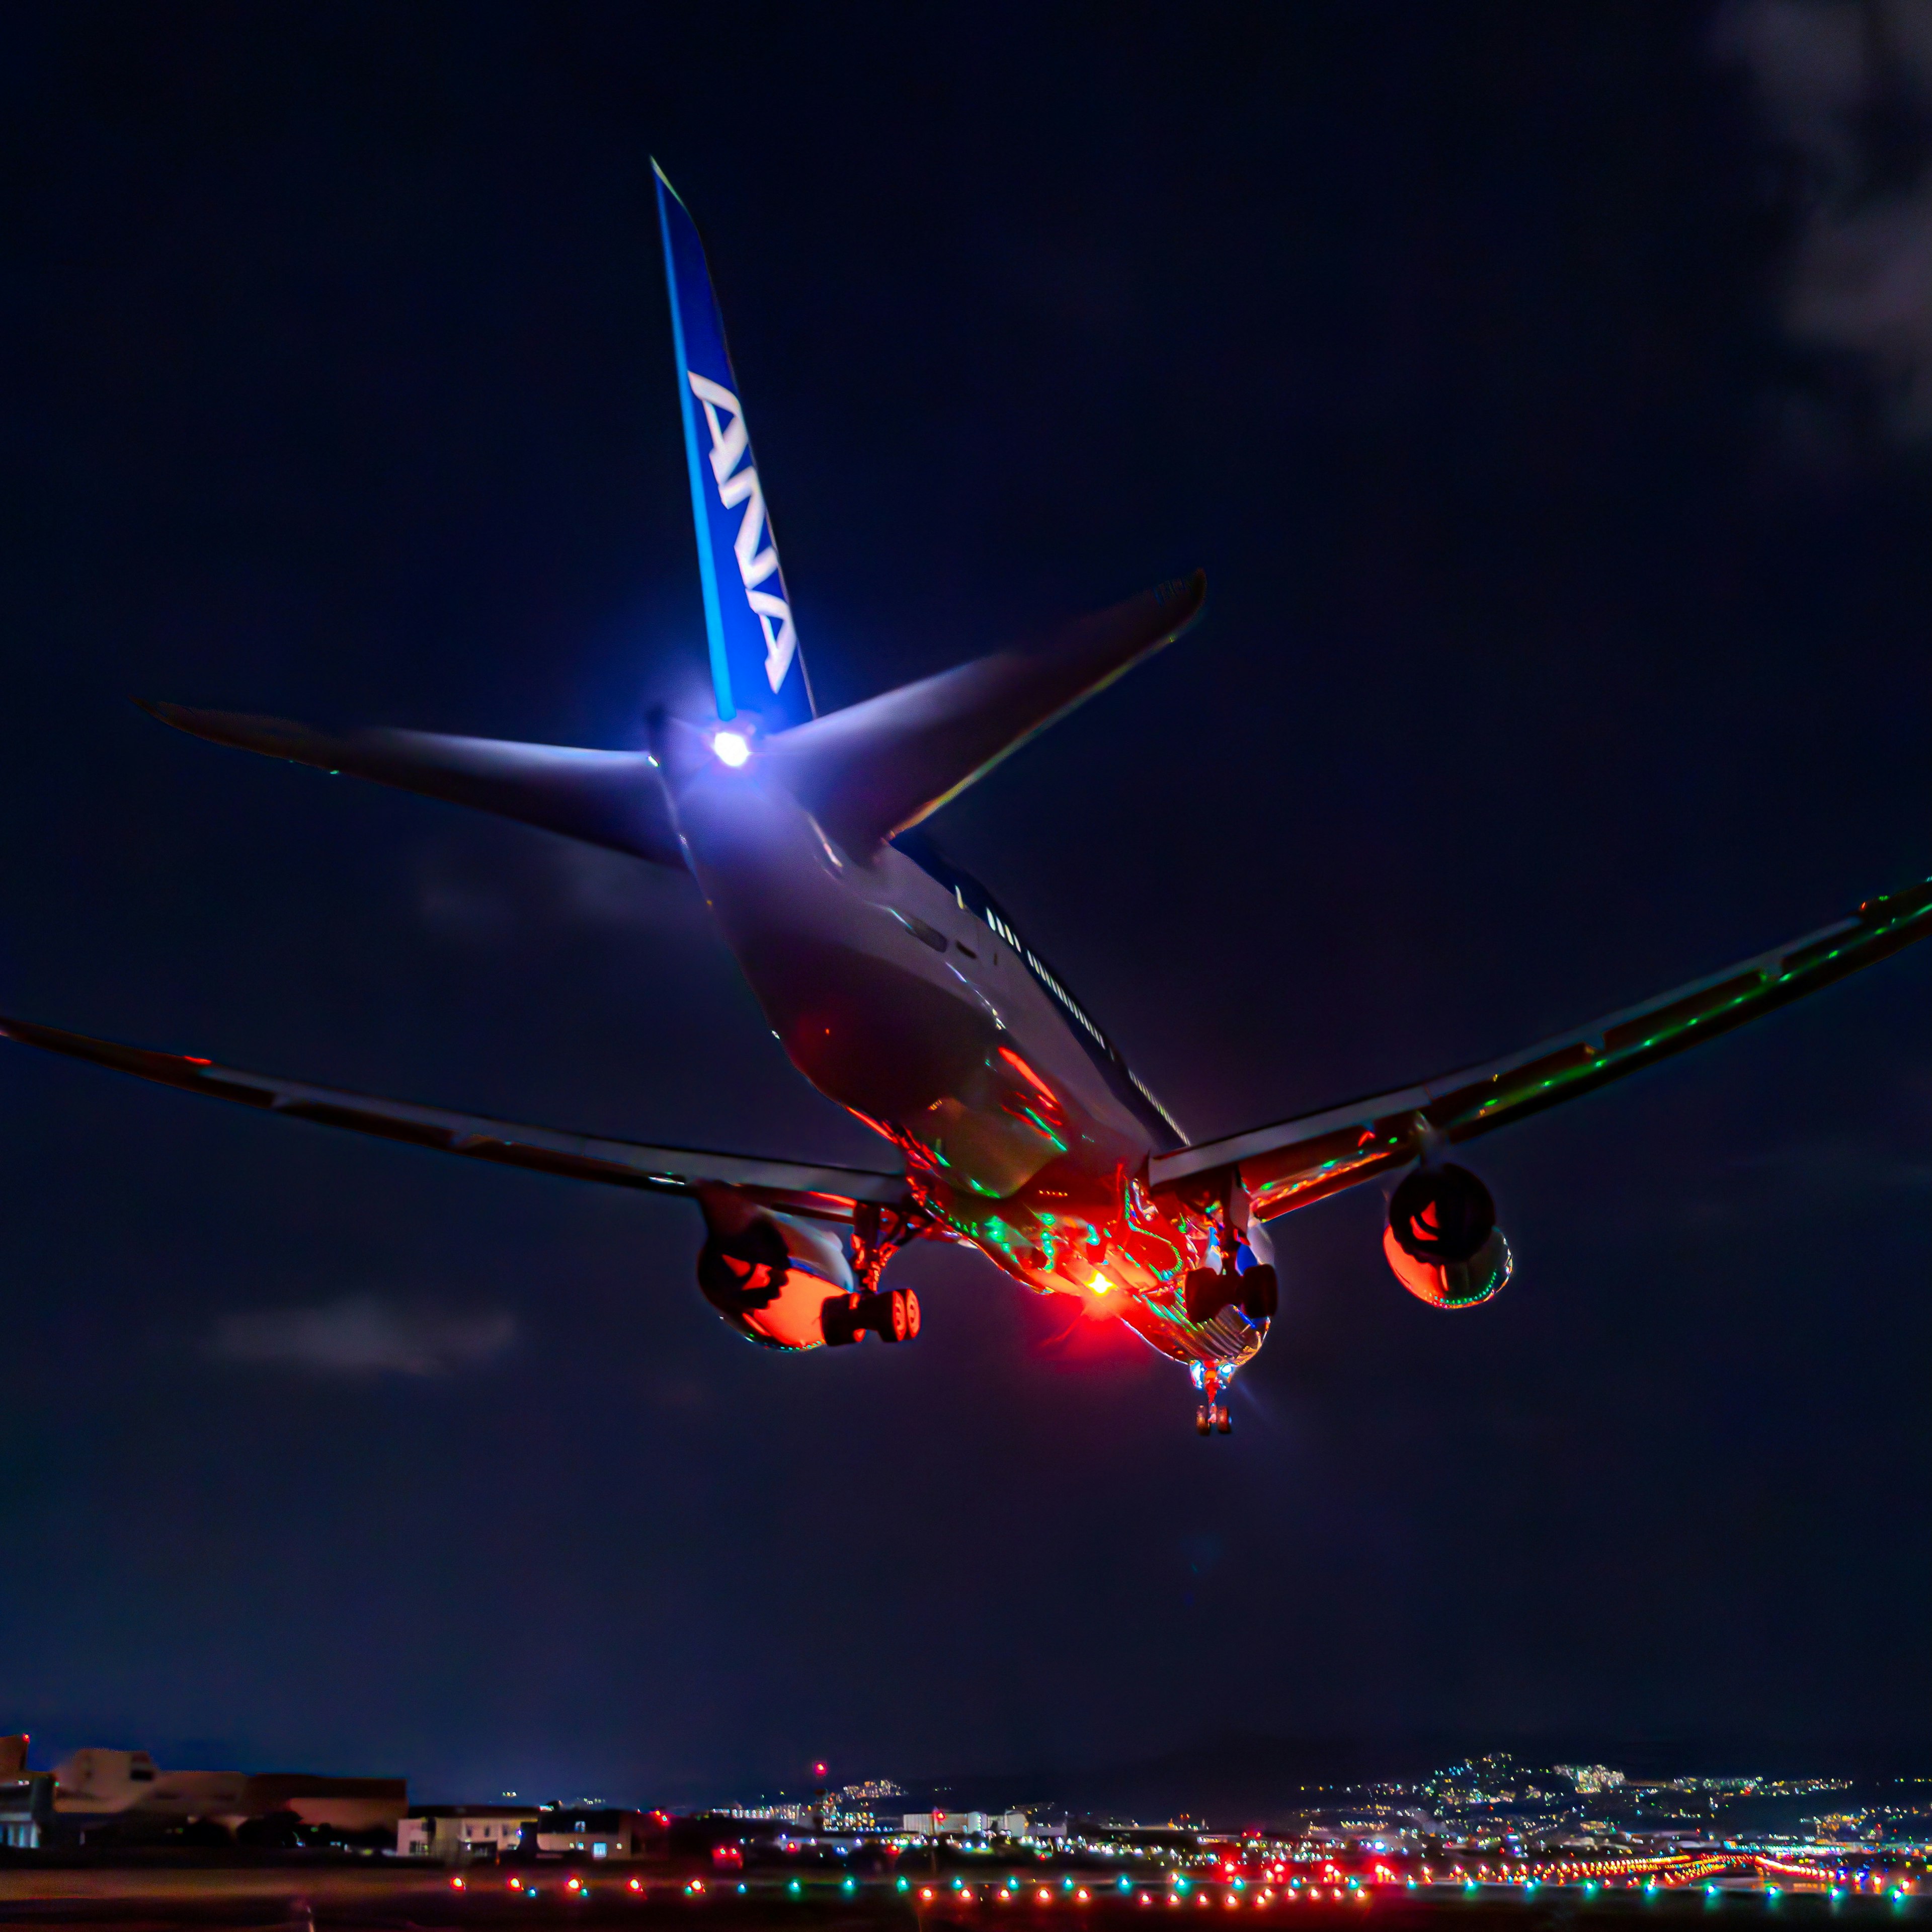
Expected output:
(901, 989)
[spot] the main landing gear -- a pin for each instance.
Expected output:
(1205, 1292)
(893, 1315)
(1212, 1384)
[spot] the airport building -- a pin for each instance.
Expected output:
(966, 1824)
(459, 1834)
(97, 1795)
(464, 1834)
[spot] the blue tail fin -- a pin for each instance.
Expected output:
(755, 663)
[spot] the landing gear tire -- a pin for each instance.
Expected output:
(838, 1320)
(1203, 1295)
(894, 1314)
(1261, 1293)
(1203, 1421)
(1223, 1421)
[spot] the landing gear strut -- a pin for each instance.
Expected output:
(877, 1234)
(1212, 1382)
(892, 1314)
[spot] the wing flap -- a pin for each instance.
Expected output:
(823, 1193)
(1295, 1161)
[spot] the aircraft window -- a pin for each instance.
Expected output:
(965, 949)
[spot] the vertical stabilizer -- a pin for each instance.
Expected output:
(755, 663)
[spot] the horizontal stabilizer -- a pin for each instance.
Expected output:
(603, 798)
(817, 1190)
(880, 767)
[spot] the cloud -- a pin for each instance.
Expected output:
(1845, 87)
(362, 1335)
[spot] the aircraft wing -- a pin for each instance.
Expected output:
(823, 1193)
(1290, 1164)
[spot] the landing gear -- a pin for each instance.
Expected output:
(1261, 1293)
(893, 1316)
(1212, 1382)
(1205, 1292)
(1203, 1295)
(1254, 1290)
(878, 1233)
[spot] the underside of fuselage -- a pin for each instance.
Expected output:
(901, 991)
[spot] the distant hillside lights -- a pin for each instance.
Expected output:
(1588, 1778)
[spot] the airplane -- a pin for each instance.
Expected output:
(901, 988)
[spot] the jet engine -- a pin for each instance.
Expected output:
(785, 1282)
(1442, 1239)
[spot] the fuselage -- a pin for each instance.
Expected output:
(901, 990)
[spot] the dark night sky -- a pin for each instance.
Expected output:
(1568, 637)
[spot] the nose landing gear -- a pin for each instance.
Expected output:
(1212, 1383)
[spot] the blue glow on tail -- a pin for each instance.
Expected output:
(756, 665)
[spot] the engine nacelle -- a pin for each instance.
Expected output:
(768, 1274)
(1442, 1240)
